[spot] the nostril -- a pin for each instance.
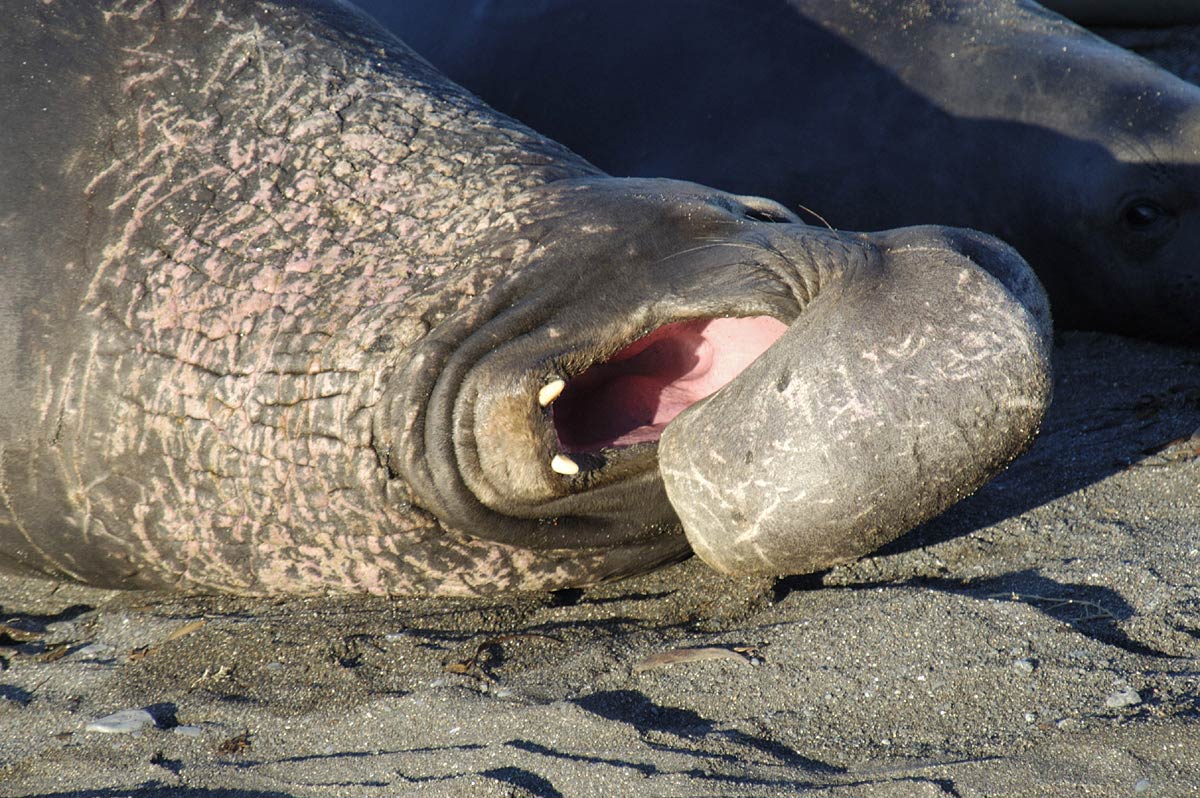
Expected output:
(985, 250)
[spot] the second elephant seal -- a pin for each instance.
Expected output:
(992, 114)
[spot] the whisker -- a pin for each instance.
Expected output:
(713, 245)
(817, 216)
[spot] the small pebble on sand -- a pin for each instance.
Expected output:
(1125, 697)
(94, 650)
(127, 721)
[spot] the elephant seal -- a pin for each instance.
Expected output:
(992, 114)
(286, 311)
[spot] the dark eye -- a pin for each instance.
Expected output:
(764, 210)
(760, 215)
(1143, 214)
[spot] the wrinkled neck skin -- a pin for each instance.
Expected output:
(626, 273)
(297, 347)
(275, 210)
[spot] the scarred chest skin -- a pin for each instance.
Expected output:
(269, 221)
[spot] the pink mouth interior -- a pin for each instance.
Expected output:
(631, 397)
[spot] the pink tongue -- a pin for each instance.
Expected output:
(631, 397)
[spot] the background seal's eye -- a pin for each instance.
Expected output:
(1143, 214)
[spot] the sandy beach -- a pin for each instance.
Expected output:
(1040, 639)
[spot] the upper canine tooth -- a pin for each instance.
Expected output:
(561, 464)
(550, 391)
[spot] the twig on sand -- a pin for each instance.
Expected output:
(675, 656)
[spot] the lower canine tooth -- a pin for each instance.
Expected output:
(564, 465)
(550, 392)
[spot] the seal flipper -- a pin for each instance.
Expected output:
(897, 392)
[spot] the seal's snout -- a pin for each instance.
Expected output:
(909, 381)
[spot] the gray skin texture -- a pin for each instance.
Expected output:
(993, 114)
(277, 300)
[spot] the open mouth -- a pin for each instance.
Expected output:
(632, 396)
